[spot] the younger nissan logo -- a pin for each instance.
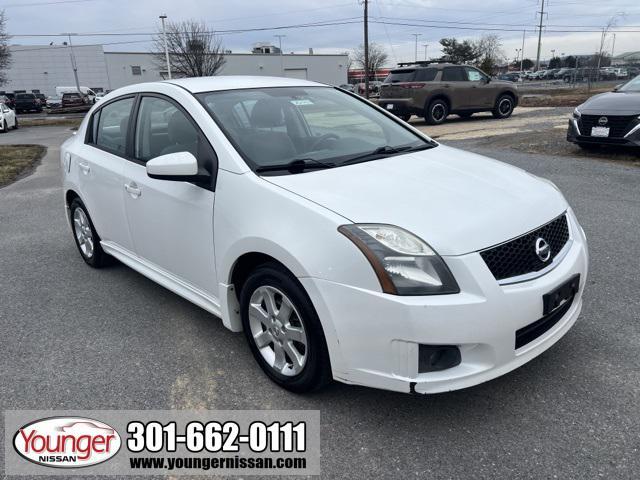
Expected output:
(543, 250)
(603, 120)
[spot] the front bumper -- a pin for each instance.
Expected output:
(630, 139)
(377, 336)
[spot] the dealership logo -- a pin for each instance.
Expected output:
(67, 442)
(543, 250)
(603, 120)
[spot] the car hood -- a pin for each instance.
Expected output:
(612, 103)
(456, 201)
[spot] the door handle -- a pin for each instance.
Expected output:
(84, 166)
(133, 189)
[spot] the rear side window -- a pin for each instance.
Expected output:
(453, 74)
(426, 75)
(113, 123)
(396, 76)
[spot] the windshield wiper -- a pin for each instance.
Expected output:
(385, 151)
(298, 165)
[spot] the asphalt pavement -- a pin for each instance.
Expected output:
(77, 338)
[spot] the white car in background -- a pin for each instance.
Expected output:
(8, 118)
(343, 242)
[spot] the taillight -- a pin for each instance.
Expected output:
(411, 85)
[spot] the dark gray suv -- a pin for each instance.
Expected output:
(434, 90)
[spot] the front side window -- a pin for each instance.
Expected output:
(113, 123)
(474, 75)
(321, 125)
(163, 128)
(453, 74)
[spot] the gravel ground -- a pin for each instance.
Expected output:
(78, 338)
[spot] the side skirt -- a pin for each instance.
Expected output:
(164, 278)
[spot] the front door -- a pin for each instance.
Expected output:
(171, 221)
(481, 92)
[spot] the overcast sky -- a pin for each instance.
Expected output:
(432, 19)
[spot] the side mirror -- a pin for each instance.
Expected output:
(487, 79)
(617, 87)
(180, 166)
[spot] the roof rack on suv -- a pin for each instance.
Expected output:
(425, 62)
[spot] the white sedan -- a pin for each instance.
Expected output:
(8, 118)
(345, 243)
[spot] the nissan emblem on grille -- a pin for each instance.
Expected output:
(603, 120)
(543, 250)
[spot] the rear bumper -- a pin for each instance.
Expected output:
(399, 107)
(574, 135)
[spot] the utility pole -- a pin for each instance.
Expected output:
(416, 35)
(280, 37)
(553, 55)
(613, 48)
(163, 17)
(366, 48)
(539, 37)
(522, 59)
(426, 45)
(74, 65)
(518, 50)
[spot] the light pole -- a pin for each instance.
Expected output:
(416, 35)
(163, 17)
(280, 37)
(518, 50)
(426, 45)
(74, 65)
(613, 48)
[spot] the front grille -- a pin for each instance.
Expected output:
(518, 256)
(619, 125)
(534, 330)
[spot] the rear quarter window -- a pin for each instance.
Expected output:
(426, 75)
(396, 76)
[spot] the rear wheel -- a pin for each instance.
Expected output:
(15, 124)
(5, 127)
(436, 112)
(504, 107)
(85, 235)
(283, 330)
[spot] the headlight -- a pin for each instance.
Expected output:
(403, 263)
(576, 114)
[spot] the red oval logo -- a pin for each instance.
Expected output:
(67, 442)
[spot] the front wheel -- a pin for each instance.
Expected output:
(5, 127)
(437, 112)
(283, 330)
(504, 107)
(15, 124)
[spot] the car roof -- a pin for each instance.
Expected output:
(425, 65)
(237, 82)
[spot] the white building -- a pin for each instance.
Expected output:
(44, 68)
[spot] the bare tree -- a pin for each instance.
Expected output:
(194, 50)
(490, 53)
(5, 52)
(377, 57)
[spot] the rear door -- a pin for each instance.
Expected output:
(456, 86)
(171, 222)
(99, 165)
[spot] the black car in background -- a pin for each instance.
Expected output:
(611, 118)
(11, 100)
(28, 102)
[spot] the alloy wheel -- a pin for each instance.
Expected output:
(82, 230)
(278, 331)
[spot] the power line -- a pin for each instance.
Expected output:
(39, 4)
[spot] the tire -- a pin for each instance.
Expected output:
(5, 127)
(465, 114)
(86, 238)
(313, 369)
(437, 112)
(504, 106)
(16, 125)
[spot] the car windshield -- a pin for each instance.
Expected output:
(322, 126)
(631, 86)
